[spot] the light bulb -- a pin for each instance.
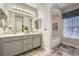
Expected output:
(21, 9)
(29, 12)
(18, 9)
(24, 10)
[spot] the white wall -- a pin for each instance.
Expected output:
(44, 14)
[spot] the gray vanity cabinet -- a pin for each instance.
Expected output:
(0, 46)
(12, 45)
(17, 44)
(36, 40)
(27, 43)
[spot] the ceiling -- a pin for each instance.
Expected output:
(60, 5)
(63, 5)
(37, 5)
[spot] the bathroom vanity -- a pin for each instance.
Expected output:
(20, 22)
(14, 44)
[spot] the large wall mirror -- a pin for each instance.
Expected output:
(3, 20)
(20, 22)
(38, 24)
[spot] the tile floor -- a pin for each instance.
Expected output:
(40, 52)
(61, 50)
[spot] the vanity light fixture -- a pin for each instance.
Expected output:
(17, 8)
(23, 10)
(26, 11)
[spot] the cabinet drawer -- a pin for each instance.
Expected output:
(36, 35)
(12, 47)
(12, 38)
(36, 45)
(36, 41)
(27, 47)
(27, 41)
(28, 36)
(0, 48)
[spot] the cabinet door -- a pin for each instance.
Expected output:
(36, 41)
(0, 47)
(12, 47)
(27, 44)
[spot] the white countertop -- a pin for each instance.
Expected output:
(18, 34)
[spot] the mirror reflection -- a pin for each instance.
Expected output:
(18, 22)
(3, 21)
(21, 23)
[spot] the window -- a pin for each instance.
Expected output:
(71, 27)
